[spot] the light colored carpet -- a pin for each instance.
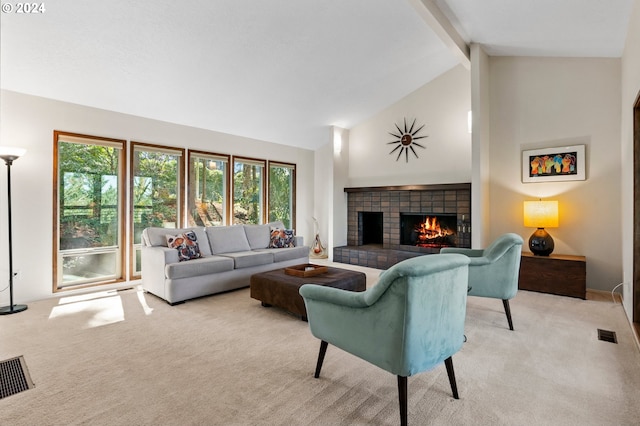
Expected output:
(128, 358)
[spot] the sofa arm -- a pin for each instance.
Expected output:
(298, 240)
(158, 257)
(154, 262)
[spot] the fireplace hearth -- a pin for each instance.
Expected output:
(375, 236)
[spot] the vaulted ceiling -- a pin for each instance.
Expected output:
(280, 70)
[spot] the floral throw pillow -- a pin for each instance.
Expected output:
(186, 244)
(281, 238)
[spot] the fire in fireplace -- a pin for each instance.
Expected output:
(428, 230)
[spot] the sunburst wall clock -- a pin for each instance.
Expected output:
(406, 140)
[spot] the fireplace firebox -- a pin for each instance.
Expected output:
(428, 230)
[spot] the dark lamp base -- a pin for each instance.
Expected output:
(541, 243)
(6, 310)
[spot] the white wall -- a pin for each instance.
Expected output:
(29, 122)
(544, 102)
(442, 105)
(630, 90)
(331, 175)
(340, 178)
(323, 193)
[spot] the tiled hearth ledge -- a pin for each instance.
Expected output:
(454, 199)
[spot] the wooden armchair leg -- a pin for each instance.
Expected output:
(507, 310)
(321, 354)
(452, 377)
(402, 398)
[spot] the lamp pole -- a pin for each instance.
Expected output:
(8, 158)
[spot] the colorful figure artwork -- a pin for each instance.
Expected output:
(555, 164)
(561, 163)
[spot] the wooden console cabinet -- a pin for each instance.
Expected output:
(559, 274)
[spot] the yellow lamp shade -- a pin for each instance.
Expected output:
(541, 214)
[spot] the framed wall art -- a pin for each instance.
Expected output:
(554, 164)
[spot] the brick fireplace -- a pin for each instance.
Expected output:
(386, 224)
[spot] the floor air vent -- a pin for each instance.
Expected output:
(607, 336)
(14, 377)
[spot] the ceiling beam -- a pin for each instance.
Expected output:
(438, 22)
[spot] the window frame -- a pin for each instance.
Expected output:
(291, 166)
(122, 173)
(227, 196)
(180, 191)
(263, 186)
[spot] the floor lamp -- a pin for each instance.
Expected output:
(9, 155)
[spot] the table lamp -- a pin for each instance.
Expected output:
(541, 214)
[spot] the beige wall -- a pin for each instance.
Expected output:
(442, 105)
(340, 178)
(323, 192)
(533, 103)
(545, 102)
(481, 144)
(330, 207)
(29, 122)
(630, 91)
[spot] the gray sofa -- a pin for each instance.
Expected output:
(230, 255)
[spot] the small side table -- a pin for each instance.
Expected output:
(560, 274)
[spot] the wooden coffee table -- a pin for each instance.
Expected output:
(276, 288)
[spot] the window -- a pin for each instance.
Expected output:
(156, 188)
(248, 191)
(90, 236)
(208, 196)
(88, 185)
(282, 189)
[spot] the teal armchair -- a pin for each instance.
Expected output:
(410, 321)
(494, 271)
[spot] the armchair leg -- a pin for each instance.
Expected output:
(402, 390)
(452, 377)
(321, 354)
(507, 310)
(402, 397)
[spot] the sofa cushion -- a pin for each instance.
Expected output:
(198, 267)
(258, 236)
(284, 254)
(281, 238)
(227, 239)
(186, 244)
(247, 259)
(157, 237)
